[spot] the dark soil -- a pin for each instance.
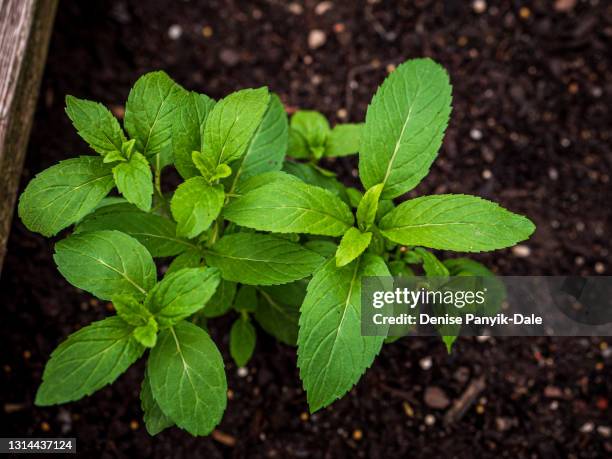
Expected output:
(531, 128)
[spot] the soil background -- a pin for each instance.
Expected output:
(531, 129)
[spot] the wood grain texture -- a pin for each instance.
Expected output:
(25, 29)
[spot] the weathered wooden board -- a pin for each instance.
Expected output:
(25, 29)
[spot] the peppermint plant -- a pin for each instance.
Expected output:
(278, 245)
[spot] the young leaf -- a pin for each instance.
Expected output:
(332, 353)
(188, 378)
(189, 259)
(448, 342)
(352, 244)
(233, 122)
(222, 300)
(88, 360)
(131, 310)
(246, 299)
(188, 131)
(135, 181)
(242, 341)
(150, 111)
(106, 264)
(455, 222)
(63, 194)
(95, 124)
(195, 205)
(309, 130)
(147, 334)
(156, 233)
(269, 144)
(154, 418)
(432, 266)
(297, 208)
(368, 206)
(278, 310)
(404, 126)
(261, 259)
(343, 140)
(181, 294)
(355, 196)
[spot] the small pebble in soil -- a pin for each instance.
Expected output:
(600, 268)
(521, 251)
(175, 31)
(565, 142)
(553, 392)
(436, 398)
(476, 134)
(342, 113)
(45, 427)
(408, 409)
(27, 354)
(242, 372)
(430, 420)
(524, 12)
(229, 57)
(587, 427)
(230, 394)
(479, 6)
(316, 38)
(563, 6)
(426, 363)
(134, 424)
(295, 8)
(502, 424)
(553, 173)
(480, 409)
(323, 8)
(207, 31)
(487, 174)
(357, 435)
(554, 405)
(579, 261)
(304, 417)
(604, 431)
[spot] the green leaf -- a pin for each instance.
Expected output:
(63, 194)
(188, 131)
(106, 264)
(368, 206)
(343, 140)
(332, 353)
(455, 222)
(154, 418)
(195, 205)
(131, 310)
(242, 341)
(135, 181)
(323, 247)
(147, 334)
(432, 266)
(268, 146)
(278, 310)
(88, 360)
(233, 122)
(309, 130)
(95, 124)
(298, 208)
(352, 244)
(156, 233)
(399, 268)
(313, 176)
(246, 299)
(404, 126)
(355, 196)
(221, 301)
(448, 342)
(181, 294)
(261, 259)
(150, 112)
(188, 259)
(188, 378)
